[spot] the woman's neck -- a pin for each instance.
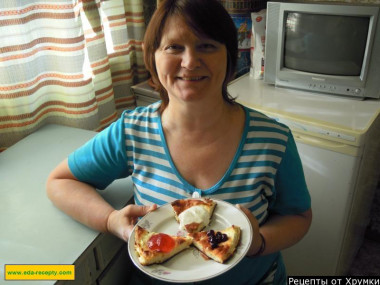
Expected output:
(196, 117)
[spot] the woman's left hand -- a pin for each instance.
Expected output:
(256, 239)
(279, 231)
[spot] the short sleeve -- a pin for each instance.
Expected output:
(103, 159)
(291, 192)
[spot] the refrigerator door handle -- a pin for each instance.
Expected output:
(327, 144)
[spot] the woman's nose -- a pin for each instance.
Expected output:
(190, 59)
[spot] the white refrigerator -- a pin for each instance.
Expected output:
(339, 144)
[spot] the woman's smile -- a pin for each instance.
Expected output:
(191, 78)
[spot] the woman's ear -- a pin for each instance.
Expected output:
(142, 46)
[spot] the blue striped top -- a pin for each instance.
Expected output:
(265, 175)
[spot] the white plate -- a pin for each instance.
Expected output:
(189, 265)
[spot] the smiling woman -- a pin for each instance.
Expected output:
(206, 21)
(189, 67)
(197, 140)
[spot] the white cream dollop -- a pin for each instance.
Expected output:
(195, 214)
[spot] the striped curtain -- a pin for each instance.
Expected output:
(69, 62)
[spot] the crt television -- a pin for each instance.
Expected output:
(331, 48)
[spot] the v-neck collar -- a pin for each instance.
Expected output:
(189, 187)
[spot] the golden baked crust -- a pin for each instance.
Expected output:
(224, 250)
(183, 204)
(148, 256)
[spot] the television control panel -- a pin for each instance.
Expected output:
(324, 88)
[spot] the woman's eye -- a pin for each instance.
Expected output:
(207, 47)
(173, 48)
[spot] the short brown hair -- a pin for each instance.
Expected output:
(206, 18)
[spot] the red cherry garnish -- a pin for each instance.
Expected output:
(161, 242)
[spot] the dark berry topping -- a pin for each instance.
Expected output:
(216, 238)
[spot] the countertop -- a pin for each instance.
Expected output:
(33, 230)
(342, 112)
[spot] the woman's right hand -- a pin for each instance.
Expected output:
(121, 222)
(83, 203)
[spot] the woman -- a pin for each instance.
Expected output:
(195, 140)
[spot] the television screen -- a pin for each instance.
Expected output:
(325, 44)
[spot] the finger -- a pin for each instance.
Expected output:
(153, 207)
(249, 215)
(244, 209)
(139, 211)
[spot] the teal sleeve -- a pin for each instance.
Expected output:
(291, 192)
(103, 159)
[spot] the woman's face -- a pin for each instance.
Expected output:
(190, 68)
